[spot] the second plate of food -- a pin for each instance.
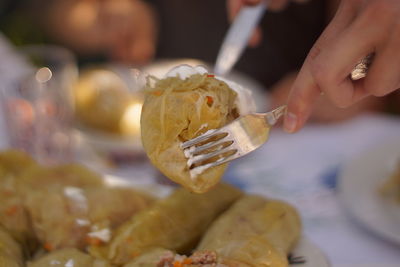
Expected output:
(369, 188)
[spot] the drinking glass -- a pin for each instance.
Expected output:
(38, 106)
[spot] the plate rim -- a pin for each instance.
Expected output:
(345, 198)
(305, 244)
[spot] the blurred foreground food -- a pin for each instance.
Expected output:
(12, 214)
(254, 232)
(176, 222)
(69, 206)
(268, 231)
(69, 257)
(10, 251)
(66, 206)
(66, 216)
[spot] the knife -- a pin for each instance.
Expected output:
(237, 37)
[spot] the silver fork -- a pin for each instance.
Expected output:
(232, 141)
(243, 135)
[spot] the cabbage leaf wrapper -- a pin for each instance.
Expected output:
(176, 223)
(68, 257)
(13, 216)
(10, 251)
(70, 206)
(175, 111)
(254, 232)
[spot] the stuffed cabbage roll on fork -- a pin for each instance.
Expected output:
(184, 105)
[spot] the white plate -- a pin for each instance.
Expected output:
(305, 249)
(359, 184)
(312, 254)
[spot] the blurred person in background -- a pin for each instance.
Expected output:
(121, 30)
(136, 31)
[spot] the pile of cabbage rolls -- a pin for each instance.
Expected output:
(67, 216)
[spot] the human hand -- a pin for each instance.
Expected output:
(324, 111)
(359, 28)
(234, 6)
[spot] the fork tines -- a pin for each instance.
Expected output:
(296, 259)
(212, 148)
(200, 139)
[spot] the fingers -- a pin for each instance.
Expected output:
(335, 62)
(274, 5)
(359, 28)
(252, 2)
(306, 90)
(233, 7)
(331, 68)
(135, 43)
(384, 73)
(277, 5)
(255, 38)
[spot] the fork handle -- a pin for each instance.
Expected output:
(273, 116)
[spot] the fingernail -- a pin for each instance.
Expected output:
(290, 122)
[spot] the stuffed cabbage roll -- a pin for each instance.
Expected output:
(68, 257)
(254, 232)
(10, 252)
(176, 110)
(70, 207)
(39, 177)
(176, 222)
(13, 216)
